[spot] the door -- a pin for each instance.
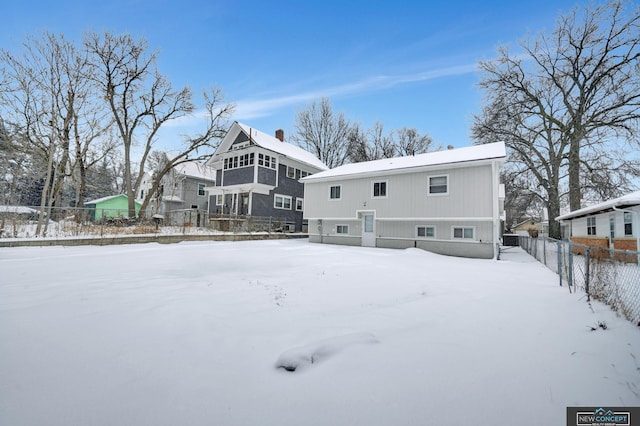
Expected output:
(368, 230)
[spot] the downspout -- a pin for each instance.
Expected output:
(636, 229)
(496, 201)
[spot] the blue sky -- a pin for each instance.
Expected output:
(401, 63)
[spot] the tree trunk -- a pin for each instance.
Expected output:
(553, 211)
(575, 193)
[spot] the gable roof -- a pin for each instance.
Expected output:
(268, 142)
(196, 169)
(472, 153)
(110, 197)
(629, 200)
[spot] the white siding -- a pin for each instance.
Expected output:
(469, 195)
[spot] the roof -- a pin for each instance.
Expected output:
(18, 210)
(272, 144)
(196, 169)
(103, 199)
(472, 153)
(632, 199)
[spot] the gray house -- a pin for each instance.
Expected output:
(182, 198)
(449, 202)
(258, 175)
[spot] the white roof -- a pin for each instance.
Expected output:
(99, 200)
(196, 169)
(473, 153)
(272, 144)
(632, 199)
(18, 209)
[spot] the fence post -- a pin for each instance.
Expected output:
(570, 264)
(544, 250)
(560, 262)
(586, 281)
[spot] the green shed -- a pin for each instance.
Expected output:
(112, 206)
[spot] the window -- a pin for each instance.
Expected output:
(282, 202)
(303, 173)
(426, 231)
(334, 192)
(628, 224)
(219, 199)
(260, 160)
(142, 194)
(591, 225)
(194, 206)
(291, 172)
(299, 204)
(462, 232)
(438, 185)
(342, 229)
(379, 189)
(201, 191)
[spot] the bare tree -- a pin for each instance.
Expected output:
(410, 142)
(324, 133)
(567, 96)
(48, 96)
(372, 144)
(142, 100)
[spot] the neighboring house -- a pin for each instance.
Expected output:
(448, 202)
(530, 227)
(182, 197)
(258, 175)
(612, 224)
(114, 206)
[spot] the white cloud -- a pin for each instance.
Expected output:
(255, 108)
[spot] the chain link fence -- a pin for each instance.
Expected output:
(28, 222)
(608, 275)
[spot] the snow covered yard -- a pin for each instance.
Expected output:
(193, 334)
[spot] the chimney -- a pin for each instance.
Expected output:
(280, 135)
(450, 147)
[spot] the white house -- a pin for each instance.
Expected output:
(612, 224)
(448, 202)
(258, 175)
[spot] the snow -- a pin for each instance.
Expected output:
(274, 144)
(196, 169)
(631, 199)
(18, 210)
(472, 153)
(195, 333)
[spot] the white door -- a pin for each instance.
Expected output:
(368, 230)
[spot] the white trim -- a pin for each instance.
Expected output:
(258, 188)
(386, 189)
(426, 237)
(333, 235)
(429, 240)
(335, 199)
(463, 238)
(437, 219)
(437, 194)
(408, 219)
(343, 225)
(284, 197)
(222, 198)
(408, 169)
(204, 189)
